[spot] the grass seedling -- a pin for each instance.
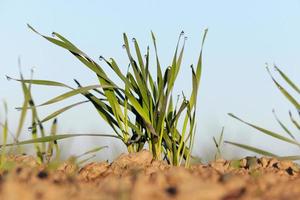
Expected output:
(218, 143)
(140, 110)
(36, 128)
(82, 158)
(289, 138)
(4, 138)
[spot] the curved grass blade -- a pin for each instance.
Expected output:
(294, 121)
(41, 82)
(58, 112)
(198, 69)
(52, 143)
(284, 76)
(73, 93)
(64, 39)
(267, 132)
(58, 137)
(85, 160)
(63, 44)
(23, 109)
(296, 157)
(283, 126)
(285, 92)
(94, 150)
(92, 65)
(253, 149)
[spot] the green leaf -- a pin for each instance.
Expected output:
(23, 109)
(4, 137)
(42, 82)
(62, 44)
(158, 66)
(267, 132)
(94, 150)
(58, 137)
(296, 124)
(253, 149)
(283, 126)
(58, 112)
(287, 80)
(72, 93)
(140, 58)
(285, 92)
(296, 157)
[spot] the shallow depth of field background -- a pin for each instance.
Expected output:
(242, 37)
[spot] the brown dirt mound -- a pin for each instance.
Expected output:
(137, 176)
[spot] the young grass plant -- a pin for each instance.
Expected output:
(4, 139)
(36, 127)
(141, 109)
(82, 158)
(39, 137)
(288, 136)
(218, 143)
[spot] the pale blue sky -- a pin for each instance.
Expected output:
(243, 35)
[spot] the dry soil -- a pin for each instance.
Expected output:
(138, 177)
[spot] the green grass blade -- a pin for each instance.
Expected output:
(138, 107)
(284, 76)
(285, 92)
(112, 63)
(72, 93)
(58, 137)
(221, 136)
(41, 82)
(23, 109)
(94, 150)
(253, 149)
(139, 57)
(62, 44)
(4, 133)
(158, 66)
(267, 132)
(60, 111)
(86, 160)
(78, 54)
(52, 143)
(282, 125)
(64, 40)
(199, 68)
(179, 60)
(104, 110)
(296, 124)
(296, 157)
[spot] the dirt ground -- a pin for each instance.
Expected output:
(139, 177)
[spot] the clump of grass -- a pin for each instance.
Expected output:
(287, 136)
(36, 128)
(141, 110)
